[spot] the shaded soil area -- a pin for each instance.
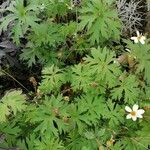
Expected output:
(16, 78)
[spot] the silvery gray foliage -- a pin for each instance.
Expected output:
(76, 2)
(130, 14)
(148, 5)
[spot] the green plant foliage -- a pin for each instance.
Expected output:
(48, 144)
(43, 42)
(141, 53)
(46, 34)
(11, 132)
(128, 87)
(113, 114)
(12, 102)
(81, 77)
(49, 115)
(23, 17)
(102, 62)
(89, 103)
(81, 142)
(52, 79)
(101, 21)
(90, 94)
(57, 7)
(143, 136)
(33, 55)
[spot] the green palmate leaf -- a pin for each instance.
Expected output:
(97, 15)
(114, 114)
(13, 101)
(10, 129)
(49, 115)
(78, 141)
(33, 54)
(28, 143)
(81, 77)
(127, 88)
(79, 117)
(10, 132)
(17, 32)
(102, 64)
(53, 78)
(94, 106)
(48, 143)
(46, 34)
(30, 55)
(56, 7)
(143, 136)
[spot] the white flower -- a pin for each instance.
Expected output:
(140, 38)
(134, 113)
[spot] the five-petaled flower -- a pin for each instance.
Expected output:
(134, 113)
(139, 38)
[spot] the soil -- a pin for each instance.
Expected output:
(16, 78)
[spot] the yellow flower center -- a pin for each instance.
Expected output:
(139, 37)
(133, 113)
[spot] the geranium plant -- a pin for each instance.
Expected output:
(87, 99)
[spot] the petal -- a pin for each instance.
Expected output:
(129, 116)
(135, 107)
(140, 111)
(133, 38)
(134, 118)
(128, 109)
(139, 116)
(142, 40)
(136, 40)
(138, 33)
(143, 37)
